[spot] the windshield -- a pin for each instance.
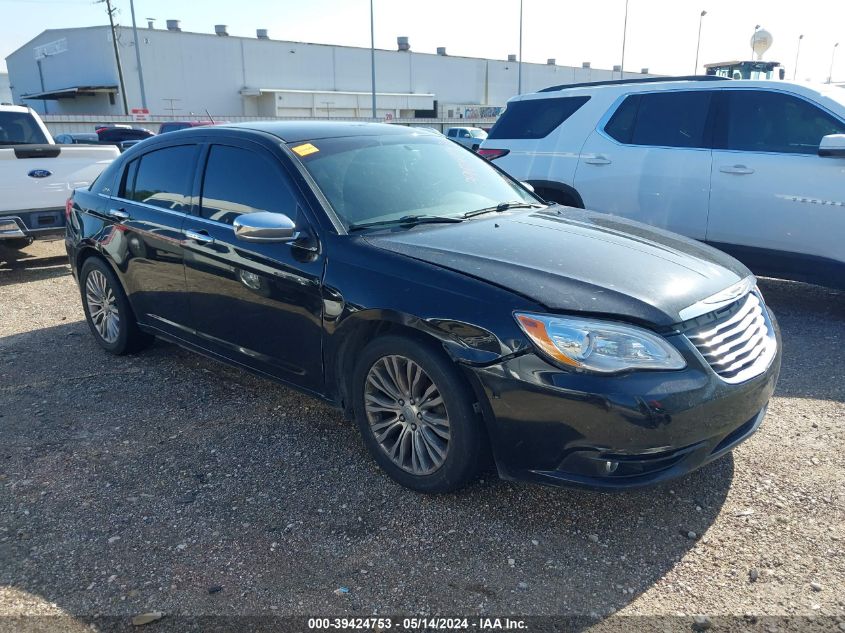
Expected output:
(382, 178)
(478, 134)
(19, 128)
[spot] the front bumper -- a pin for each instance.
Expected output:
(562, 428)
(42, 223)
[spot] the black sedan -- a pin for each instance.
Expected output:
(440, 304)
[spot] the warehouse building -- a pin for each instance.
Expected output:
(73, 71)
(5, 90)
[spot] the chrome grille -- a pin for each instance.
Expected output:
(737, 341)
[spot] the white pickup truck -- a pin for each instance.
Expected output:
(37, 176)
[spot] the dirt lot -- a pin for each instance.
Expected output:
(168, 482)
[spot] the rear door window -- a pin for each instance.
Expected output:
(535, 118)
(769, 121)
(663, 119)
(162, 178)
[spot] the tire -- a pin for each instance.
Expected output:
(475, 147)
(383, 421)
(98, 286)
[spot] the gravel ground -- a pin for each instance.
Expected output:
(168, 482)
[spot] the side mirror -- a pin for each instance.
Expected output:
(527, 185)
(832, 146)
(264, 226)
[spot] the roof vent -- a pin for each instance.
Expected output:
(174, 25)
(441, 50)
(151, 23)
(402, 43)
(220, 29)
(511, 58)
(262, 34)
(585, 65)
(644, 71)
(551, 61)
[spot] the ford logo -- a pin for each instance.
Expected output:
(40, 173)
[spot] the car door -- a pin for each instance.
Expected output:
(464, 137)
(258, 304)
(775, 203)
(153, 199)
(649, 160)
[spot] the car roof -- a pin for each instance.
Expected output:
(295, 131)
(650, 85)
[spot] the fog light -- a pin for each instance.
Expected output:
(610, 467)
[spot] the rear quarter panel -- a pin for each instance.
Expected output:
(555, 156)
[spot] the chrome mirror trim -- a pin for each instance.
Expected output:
(264, 226)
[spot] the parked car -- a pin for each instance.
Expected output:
(77, 138)
(432, 298)
(471, 137)
(751, 167)
(37, 175)
(120, 135)
(173, 126)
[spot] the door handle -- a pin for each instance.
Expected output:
(735, 169)
(200, 237)
(118, 214)
(597, 160)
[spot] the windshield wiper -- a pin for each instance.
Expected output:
(503, 206)
(407, 220)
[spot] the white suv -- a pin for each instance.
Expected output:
(470, 137)
(755, 168)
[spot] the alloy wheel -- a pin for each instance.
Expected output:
(407, 415)
(102, 306)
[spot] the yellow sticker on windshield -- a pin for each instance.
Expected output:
(305, 150)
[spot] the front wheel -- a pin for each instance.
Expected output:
(107, 310)
(416, 416)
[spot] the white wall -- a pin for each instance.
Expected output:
(5, 91)
(205, 71)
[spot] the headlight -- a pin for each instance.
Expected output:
(598, 346)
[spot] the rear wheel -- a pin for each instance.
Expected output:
(416, 416)
(107, 310)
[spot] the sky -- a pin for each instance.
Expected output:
(661, 34)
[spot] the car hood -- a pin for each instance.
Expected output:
(571, 260)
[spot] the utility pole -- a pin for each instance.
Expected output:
(519, 64)
(698, 46)
(138, 55)
(624, 37)
(797, 52)
(832, 58)
(373, 56)
(111, 12)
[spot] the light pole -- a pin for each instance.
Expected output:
(797, 52)
(624, 37)
(138, 55)
(832, 57)
(111, 12)
(519, 64)
(698, 45)
(373, 56)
